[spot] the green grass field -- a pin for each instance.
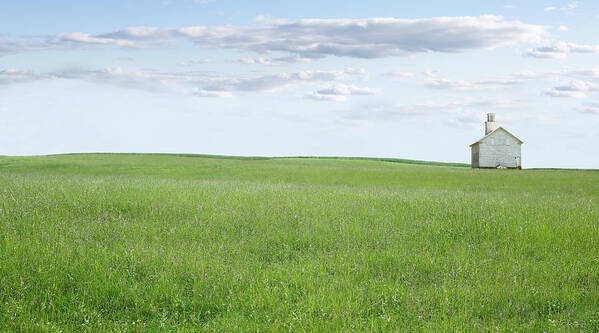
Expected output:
(101, 242)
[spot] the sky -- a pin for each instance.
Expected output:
(398, 79)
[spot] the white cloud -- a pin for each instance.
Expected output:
(17, 46)
(576, 89)
(570, 6)
(355, 71)
(361, 38)
(579, 81)
(273, 82)
(584, 73)
(204, 84)
(441, 83)
(562, 28)
(561, 50)
(324, 97)
(560, 92)
(501, 81)
(339, 92)
(400, 74)
(12, 76)
(431, 73)
(458, 113)
(143, 80)
(79, 38)
(211, 93)
(566, 73)
(317, 38)
(195, 62)
(248, 61)
(591, 108)
(273, 61)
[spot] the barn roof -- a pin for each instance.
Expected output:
(497, 129)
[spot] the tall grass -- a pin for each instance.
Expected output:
(158, 242)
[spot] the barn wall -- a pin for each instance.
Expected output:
(474, 158)
(499, 149)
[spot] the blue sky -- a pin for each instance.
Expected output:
(379, 78)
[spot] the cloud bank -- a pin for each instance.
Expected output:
(339, 93)
(590, 108)
(576, 89)
(205, 84)
(569, 7)
(560, 50)
(313, 38)
(457, 113)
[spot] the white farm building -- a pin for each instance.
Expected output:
(497, 149)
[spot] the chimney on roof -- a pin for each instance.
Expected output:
(490, 124)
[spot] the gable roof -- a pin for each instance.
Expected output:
(497, 129)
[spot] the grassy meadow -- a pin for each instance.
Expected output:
(123, 242)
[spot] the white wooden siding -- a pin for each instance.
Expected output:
(498, 149)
